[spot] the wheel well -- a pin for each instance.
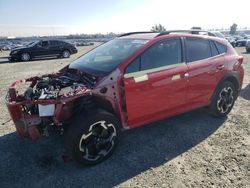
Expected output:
(230, 78)
(25, 53)
(90, 102)
(233, 80)
(103, 104)
(65, 49)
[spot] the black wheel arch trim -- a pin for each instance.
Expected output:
(64, 49)
(24, 52)
(231, 77)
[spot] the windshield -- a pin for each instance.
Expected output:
(32, 43)
(105, 58)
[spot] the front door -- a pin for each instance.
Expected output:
(155, 83)
(41, 49)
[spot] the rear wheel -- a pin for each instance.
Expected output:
(25, 57)
(65, 54)
(93, 137)
(224, 99)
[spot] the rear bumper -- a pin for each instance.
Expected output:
(74, 51)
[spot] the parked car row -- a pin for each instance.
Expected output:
(235, 40)
(240, 40)
(83, 43)
(230, 39)
(9, 46)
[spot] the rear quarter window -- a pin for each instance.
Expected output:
(214, 50)
(221, 47)
(54, 43)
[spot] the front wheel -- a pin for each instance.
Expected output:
(25, 57)
(93, 137)
(224, 99)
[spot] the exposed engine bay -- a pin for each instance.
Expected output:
(50, 100)
(53, 87)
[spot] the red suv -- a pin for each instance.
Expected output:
(130, 81)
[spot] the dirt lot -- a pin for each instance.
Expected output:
(190, 150)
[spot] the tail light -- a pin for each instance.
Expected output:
(74, 45)
(240, 59)
(238, 62)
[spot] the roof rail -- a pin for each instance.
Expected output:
(196, 32)
(132, 33)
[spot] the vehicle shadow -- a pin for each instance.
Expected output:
(245, 92)
(4, 60)
(39, 164)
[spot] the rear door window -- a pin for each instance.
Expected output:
(54, 43)
(197, 49)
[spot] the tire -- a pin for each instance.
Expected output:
(66, 54)
(25, 57)
(223, 100)
(11, 60)
(92, 137)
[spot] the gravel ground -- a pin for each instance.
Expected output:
(190, 150)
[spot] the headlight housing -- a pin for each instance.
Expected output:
(14, 52)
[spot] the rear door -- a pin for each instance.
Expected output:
(155, 83)
(205, 69)
(54, 47)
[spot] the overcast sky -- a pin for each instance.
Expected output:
(58, 17)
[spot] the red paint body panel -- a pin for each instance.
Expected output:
(159, 94)
(203, 78)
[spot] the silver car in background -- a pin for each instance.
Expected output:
(248, 46)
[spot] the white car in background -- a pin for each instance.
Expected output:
(248, 46)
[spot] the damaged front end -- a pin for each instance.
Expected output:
(49, 102)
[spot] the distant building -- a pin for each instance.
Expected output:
(196, 28)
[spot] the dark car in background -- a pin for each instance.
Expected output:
(43, 49)
(248, 46)
(242, 41)
(231, 40)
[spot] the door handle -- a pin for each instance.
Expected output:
(180, 76)
(186, 74)
(220, 67)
